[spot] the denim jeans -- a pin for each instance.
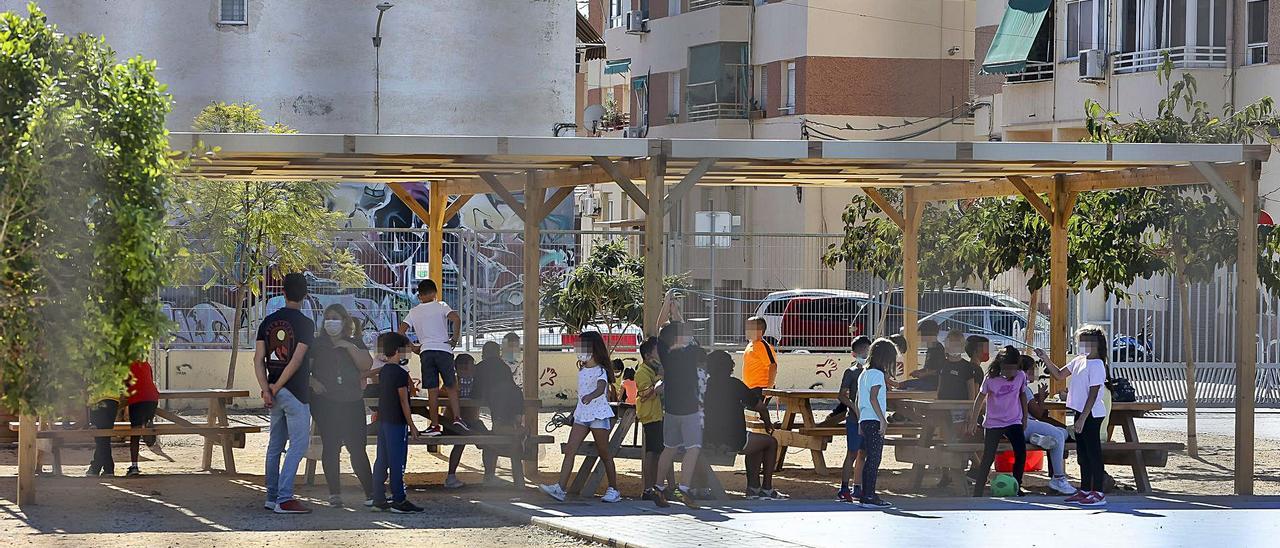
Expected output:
(393, 451)
(291, 424)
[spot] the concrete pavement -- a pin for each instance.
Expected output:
(1132, 522)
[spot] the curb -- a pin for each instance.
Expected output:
(549, 524)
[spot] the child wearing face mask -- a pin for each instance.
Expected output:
(855, 457)
(1086, 375)
(1003, 393)
(960, 376)
(592, 414)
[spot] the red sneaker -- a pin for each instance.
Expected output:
(292, 506)
(1095, 499)
(1077, 498)
(432, 431)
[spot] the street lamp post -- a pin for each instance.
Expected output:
(377, 67)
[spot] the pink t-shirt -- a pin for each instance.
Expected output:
(1004, 406)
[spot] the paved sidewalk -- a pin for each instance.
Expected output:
(1132, 522)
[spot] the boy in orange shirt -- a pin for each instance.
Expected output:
(759, 366)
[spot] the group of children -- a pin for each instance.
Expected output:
(141, 398)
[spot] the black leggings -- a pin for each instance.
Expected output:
(991, 442)
(341, 423)
(873, 445)
(1089, 453)
(103, 416)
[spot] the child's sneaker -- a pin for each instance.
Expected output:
(1094, 499)
(874, 502)
(368, 503)
(857, 492)
(659, 498)
(380, 506)
(271, 506)
(335, 501)
(292, 506)
(844, 495)
(752, 493)
(405, 507)
(553, 490)
(1078, 497)
(611, 495)
(685, 496)
(432, 431)
(461, 426)
(773, 494)
(132, 472)
(1061, 485)
(452, 482)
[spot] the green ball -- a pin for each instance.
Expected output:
(1003, 485)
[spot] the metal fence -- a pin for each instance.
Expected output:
(1215, 383)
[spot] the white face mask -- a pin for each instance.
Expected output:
(584, 357)
(859, 360)
(333, 327)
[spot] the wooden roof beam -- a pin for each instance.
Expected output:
(886, 207)
(1034, 199)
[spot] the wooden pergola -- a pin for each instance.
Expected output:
(655, 173)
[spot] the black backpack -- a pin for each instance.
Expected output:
(1122, 390)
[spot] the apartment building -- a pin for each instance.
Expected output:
(1051, 55)
(775, 69)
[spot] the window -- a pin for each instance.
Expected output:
(1147, 25)
(1009, 325)
(1257, 22)
(617, 15)
(718, 85)
(673, 7)
(673, 97)
(232, 12)
(1080, 25)
(790, 93)
(762, 87)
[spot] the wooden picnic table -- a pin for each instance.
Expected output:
(798, 403)
(940, 443)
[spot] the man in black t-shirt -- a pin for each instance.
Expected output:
(282, 366)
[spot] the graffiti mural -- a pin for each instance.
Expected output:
(483, 249)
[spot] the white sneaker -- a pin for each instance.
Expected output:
(610, 495)
(452, 482)
(1061, 485)
(553, 490)
(269, 506)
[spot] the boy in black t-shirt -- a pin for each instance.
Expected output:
(395, 425)
(961, 376)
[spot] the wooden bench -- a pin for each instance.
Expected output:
(52, 440)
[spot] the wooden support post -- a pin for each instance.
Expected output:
(912, 209)
(532, 255)
(654, 238)
(1246, 328)
(435, 233)
(884, 205)
(1063, 204)
(456, 206)
(1031, 197)
(27, 459)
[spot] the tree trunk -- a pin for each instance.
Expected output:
(1032, 316)
(235, 335)
(1184, 310)
(884, 316)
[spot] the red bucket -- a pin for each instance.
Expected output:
(1004, 461)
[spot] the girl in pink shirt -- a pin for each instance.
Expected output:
(1003, 392)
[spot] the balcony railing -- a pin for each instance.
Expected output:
(1035, 71)
(1182, 57)
(695, 5)
(705, 103)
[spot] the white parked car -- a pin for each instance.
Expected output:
(774, 304)
(1002, 325)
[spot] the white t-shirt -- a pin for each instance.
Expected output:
(1086, 373)
(588, 380)
(430, 323)
(869, 378)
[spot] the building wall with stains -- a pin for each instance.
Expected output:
(467, 67)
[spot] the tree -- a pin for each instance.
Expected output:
(1192, 225)
(234, 233)
(84, 160)
(605, 289)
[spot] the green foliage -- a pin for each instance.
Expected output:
(606, 289)
(219, 117)
(84, 161)
(234, 233)
(1191, 224)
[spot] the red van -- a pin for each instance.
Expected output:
(821, 323)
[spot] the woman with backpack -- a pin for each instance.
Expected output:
(339, 362)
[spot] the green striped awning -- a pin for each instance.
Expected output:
(617, 66)
(1016, 35)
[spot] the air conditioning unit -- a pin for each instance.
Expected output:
(589, 204)
(1092, 64)
(636, 22)
(633, 131)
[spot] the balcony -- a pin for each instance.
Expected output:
(1185, 57)
(695, 5)
(1035, 71)
(706, 103)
